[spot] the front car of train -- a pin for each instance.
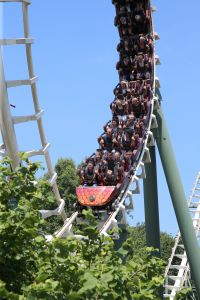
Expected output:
(107, 174)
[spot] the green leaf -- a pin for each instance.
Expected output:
(107, 277)
(89, 282)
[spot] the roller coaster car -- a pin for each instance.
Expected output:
(96, 196)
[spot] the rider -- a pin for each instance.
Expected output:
(89, 174)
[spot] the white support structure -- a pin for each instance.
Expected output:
(56, 212)
(151, 141)
(157, 82)
(25, 1)
(6, 124)
(156, 103)
(7, 121)
(147, 154)
(154, 123)
(177, 274)
(23, 119)
(42, 151)
(154, 9)
(156, 36)
(14, 83)
(21, 41)
(157, 60)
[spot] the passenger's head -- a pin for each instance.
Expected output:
(110, 155)
(109, 173)
(90, 166)
(117, 155)
(131, 117)
(127, 155)
(147, 75)
(122, 9)
(140, 57)
(98, 155)
(126, 60)
(148, 82)
(137, 18)
(115, 122)
(128, 94)
(142, 39)
(123, 20)
(119, 102)
(134, 100)
(123, 84)
(127, 135)
(108, 131)
(131, 84)
(141, 122)
(138, 82)
(126, 43)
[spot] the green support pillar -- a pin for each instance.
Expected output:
(178, 198)
(151, 203)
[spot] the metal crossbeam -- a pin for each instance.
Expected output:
(157, 81)
(154, 9)
(20, 41)
(157, 59)
(25, 1)
(23, 119)
(7, 128)
(42, 151)
(156, 36)
(15, 83)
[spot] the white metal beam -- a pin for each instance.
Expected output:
(6, 124)
(20, 41)
(15, 83)
(23, 119)
(25, 1)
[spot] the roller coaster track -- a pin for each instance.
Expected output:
(10, 143)
(10, 148)
(177, 273)
(7, 122)
(143, 156)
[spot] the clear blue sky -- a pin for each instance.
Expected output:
(75, 55)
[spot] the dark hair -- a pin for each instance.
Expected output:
(116, 120)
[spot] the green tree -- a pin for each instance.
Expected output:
(67, 181)
(91, 269)
(186, 294)
(20, 224)
(138, 241)
(31, 268)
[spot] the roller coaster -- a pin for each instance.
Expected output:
(184, 264)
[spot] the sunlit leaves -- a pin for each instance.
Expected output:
(90, 268)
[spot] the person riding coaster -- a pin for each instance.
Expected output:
(107, 172)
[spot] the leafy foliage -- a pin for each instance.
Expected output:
(185, 294)
(67, 182)
(138, 241)
(90, 268)
(20, 224)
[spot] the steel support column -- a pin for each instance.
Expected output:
(151, 203)
(6, 124)
(178, 198)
